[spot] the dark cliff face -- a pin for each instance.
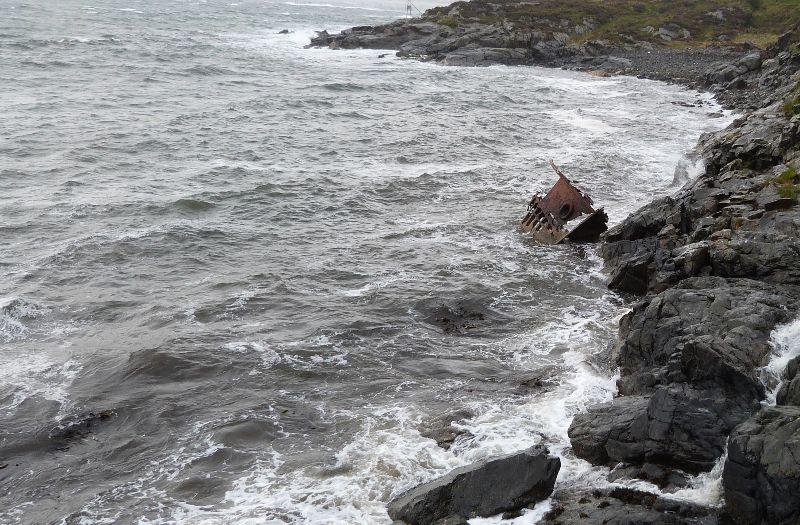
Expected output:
(717, 265)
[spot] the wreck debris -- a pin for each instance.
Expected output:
(547, 216)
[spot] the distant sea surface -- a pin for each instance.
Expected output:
(239, 279)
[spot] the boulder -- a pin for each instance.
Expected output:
(750, 62)
(761, 477)
(677, 427)
(485, 488)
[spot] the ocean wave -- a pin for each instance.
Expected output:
(193, 205)
(16, 317)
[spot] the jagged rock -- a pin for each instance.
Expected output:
(663, 477)
(485, 488)
(708, 331)
(688, 358)
(676, 427)
(789, 392)
(761, 477)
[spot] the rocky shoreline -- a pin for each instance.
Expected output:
(731, 71)
(712, 271)
(716, 266)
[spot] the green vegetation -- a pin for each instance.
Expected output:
(787, 183)
(757, 21)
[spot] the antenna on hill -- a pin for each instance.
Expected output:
(410, 8)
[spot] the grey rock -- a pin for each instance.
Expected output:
(678, 427)
(761, 477)
(789, 391)
(750, 62)
(484, 488)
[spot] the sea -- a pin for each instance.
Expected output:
(244, 282)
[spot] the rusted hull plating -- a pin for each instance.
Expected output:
(547, 216)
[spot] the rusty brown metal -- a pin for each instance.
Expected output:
(547, 216)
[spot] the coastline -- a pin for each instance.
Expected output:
(709, 272)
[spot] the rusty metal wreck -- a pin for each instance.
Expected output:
(547, 216)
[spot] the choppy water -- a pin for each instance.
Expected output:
(275, 265)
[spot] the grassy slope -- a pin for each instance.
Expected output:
(758, 21)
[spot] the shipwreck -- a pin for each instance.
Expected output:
(548, 217)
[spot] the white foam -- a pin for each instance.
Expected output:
(785, 341)
(15, 313)
(705, 488)
(578, 118)
(37, 375)
(529, 516)
(373, 286)
(269, 357)
(387, 456)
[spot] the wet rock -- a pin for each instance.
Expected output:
(441, 428)
(707, 331)
(284, 32)
(669, 479)
(77, 428)
(688, 360)
(485, 488)
(536, 381)
(789, 392)
(761, 477)
(464, 317)
(622, 506)
(678, 427)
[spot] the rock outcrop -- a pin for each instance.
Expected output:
(485, 488)
(762, 473)
(716, 265)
